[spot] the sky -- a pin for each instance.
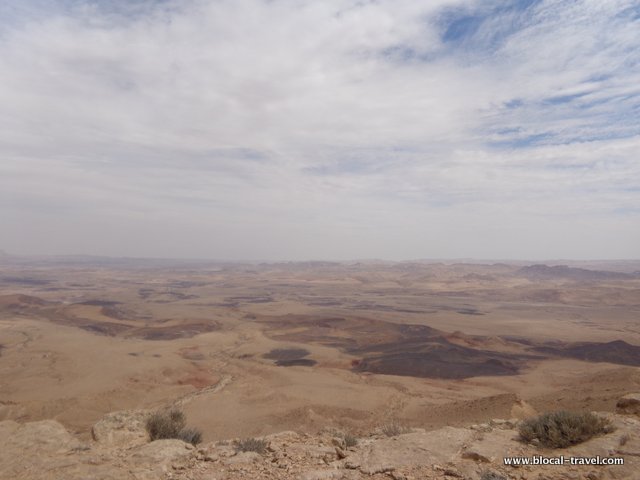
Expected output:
(320, 130)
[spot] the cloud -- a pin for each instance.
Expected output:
(337, 129)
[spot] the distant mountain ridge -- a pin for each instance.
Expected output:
(541, 271)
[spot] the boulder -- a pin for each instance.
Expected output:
(122, 429)
(323, 475)
(388, 454)
(44, 437)
(629, 404)
(491, 447)
(31, 450)
(161, 451)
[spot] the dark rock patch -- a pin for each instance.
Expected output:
(618, 352)
(100, 303)
(298, 362)
(26, 281)
(469, 311)
(286, 354)
(437, 358)
(290, 357)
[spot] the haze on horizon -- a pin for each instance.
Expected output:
(342, 129)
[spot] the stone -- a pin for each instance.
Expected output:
(475, 456)
(122, 428)
(243, 458)
(161, 451)
(322, 475)
(629, 404)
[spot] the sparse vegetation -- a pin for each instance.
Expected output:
(562, 429)
(171, 424)
(257, 445)
(624, 439)
(349, 440)
(489, 475)
(190, 435)
(165, 424)
(393, 429)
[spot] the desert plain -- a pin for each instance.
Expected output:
(253, 349)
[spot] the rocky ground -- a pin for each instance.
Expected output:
(120, 449)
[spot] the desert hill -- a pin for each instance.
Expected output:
(570, 273)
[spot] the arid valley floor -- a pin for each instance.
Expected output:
(261, 348)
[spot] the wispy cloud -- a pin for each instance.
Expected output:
(337, 129)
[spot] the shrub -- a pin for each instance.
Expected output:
(171, 424)
(489, 475)
(622, 441)
(252, 445)
(349, 440)
(190, 435)
(562, 429)
(393, 429)
(165, 424)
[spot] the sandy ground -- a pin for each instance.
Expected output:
(79, 341)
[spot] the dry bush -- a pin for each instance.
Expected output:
(165, 424)
(624, 439)
(257, 445)
(349, 440)
(489, 475)
(562, 429)
(190, 435)
(171, 424)
(393, 429)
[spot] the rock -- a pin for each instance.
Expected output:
(310, 451)
(351, 464)
(46, 451)
(411, 449)
(501, 423)
(398, 476)
(46, 436)
(125, 428)
(629, 404)
(377, 468)
(243, 458)
(521, 410)
(338, 442)
(491, 447)
(447, 471)
(162, 451)
(475, 456)
(322, 475)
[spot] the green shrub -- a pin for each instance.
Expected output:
(562, 429)
(171, 424)
(257, 445)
